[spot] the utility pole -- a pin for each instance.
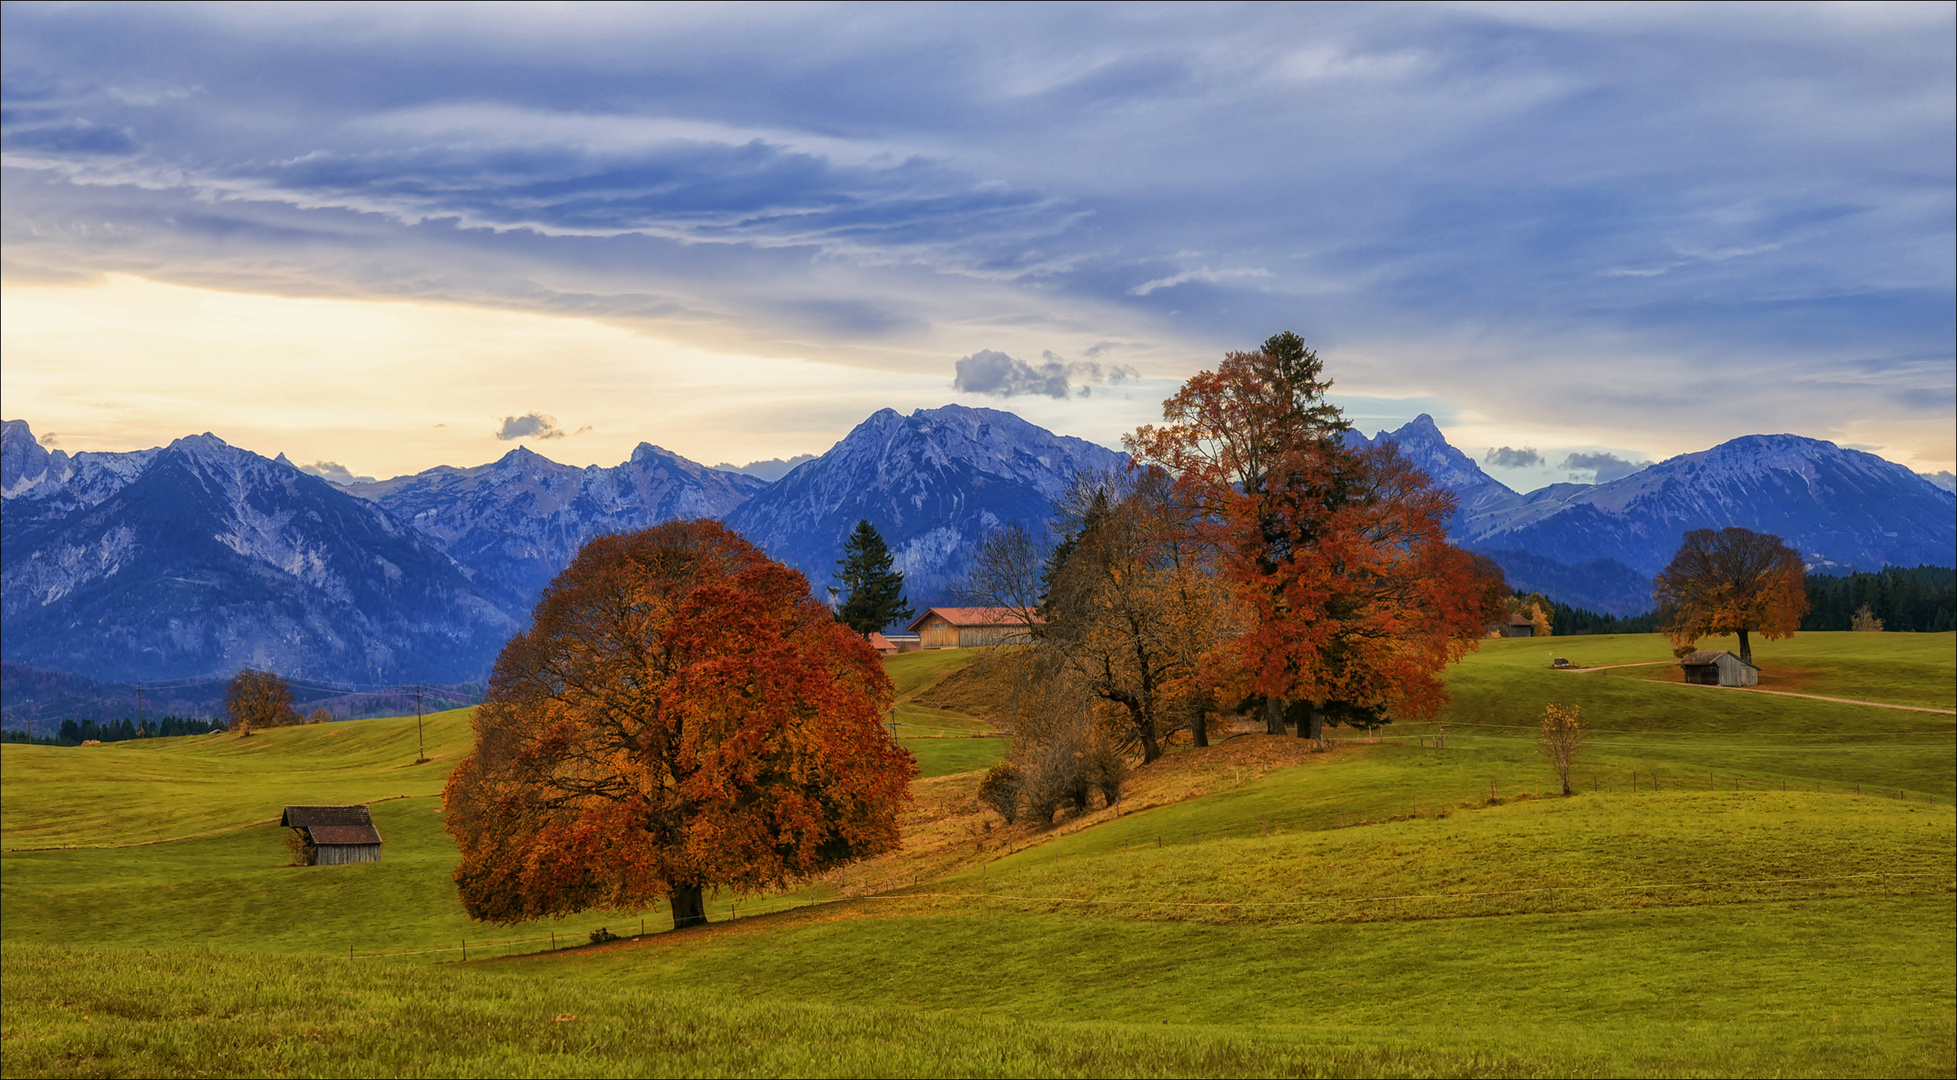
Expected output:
(421, 744)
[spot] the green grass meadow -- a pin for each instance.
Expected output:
(1748, 884)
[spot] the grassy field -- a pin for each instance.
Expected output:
(1251, 908)
(147, 790)
(945, 740)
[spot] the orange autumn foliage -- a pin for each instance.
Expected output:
(1733, 581)
(1371, 603)
(1356, 600)
(258, 699)
(682, 715)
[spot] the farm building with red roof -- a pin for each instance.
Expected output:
(966, 627)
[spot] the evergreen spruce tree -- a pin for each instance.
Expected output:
(872, 592)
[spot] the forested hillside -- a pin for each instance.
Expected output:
(1921, 598)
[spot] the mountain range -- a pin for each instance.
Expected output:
(1599, 545)
(198, 558)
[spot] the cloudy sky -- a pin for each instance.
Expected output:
(395, 236)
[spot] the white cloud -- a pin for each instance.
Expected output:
(529, 426)
(1201, 274)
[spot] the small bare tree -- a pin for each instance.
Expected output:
(1005, 572)
(1562, 736)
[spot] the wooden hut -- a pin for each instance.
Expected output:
(1519, 626)
(882, 644)
(335, 835)
(1709, 667)
(966, 627)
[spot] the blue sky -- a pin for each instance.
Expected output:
(735, 231)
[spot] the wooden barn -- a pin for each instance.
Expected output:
(1718, 668)
(335, 835)
(1518, 626)
(966, 627)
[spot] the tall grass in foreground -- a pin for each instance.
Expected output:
(74, 1012)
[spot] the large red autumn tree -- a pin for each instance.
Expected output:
(681, 716)
(1340, 555)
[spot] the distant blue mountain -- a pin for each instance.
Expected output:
(932, 484)
(1585, 544)
(200, 558)
(520, 520)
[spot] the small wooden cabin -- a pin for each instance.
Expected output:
(882, 644)
(1709, 667)
(335, 835)
(1519, 626)
(967, 627)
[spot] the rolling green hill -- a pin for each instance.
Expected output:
(1253, 907)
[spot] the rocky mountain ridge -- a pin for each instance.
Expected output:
(519, 520)
(1599, 545)
(198, 558)
(931, 483)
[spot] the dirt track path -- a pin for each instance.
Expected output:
(1841, 700)
(1782, 693)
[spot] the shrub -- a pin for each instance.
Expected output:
(1562, 736)
(1001, 789)
(1066, 771)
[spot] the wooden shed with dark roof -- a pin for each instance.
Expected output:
(335, 835)
(1709, 667)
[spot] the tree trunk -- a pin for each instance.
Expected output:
(1143, 721)
(1746, 648)
(1199, 726)
(1274, 716)
(689, 907)
(1311, 725)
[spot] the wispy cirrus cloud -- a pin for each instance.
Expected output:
(1204, 274)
